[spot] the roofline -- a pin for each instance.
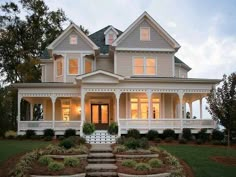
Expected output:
(45, 85)
(100, 72)
(92, 44)
(46, 60)
(116, 42)
(183, 65)
(145, 49)
(111, 27)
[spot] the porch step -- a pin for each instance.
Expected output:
(100, 137)
(101, 167)
(101, 161)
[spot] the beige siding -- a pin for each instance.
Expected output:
(181, 72)
(105, 63)
(167, 105)
(124, 63)
(65, 43)
(48, 112)
(47, 72)
(133, 39)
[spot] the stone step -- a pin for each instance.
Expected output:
(107, 174)
(100, 139)
(101, 167)
(101, 161)
(101, 155)
(101, 142)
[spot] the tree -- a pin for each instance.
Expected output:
(84, 30)
(222, 103)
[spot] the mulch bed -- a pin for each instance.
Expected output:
(187, 169)
(224, 160)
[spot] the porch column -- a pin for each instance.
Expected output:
(82, 112)
(117, 93)
(149, 96)
(181, 95)
(191, 109)
(200, 108)
(31, 111)
(53, 98)
(18, 113)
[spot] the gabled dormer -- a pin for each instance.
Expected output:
(110, 35)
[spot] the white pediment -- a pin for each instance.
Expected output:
(100, 76)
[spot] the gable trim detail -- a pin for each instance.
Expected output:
(80, 77)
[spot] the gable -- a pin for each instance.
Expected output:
(132, 40)
(100, 78)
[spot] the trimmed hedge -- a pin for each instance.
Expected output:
(69, 132)
(48, 133)
(187, 134)
(134, 133)
(152, 134)
(168, 133)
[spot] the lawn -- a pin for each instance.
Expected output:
(198, 158)
(9, 148)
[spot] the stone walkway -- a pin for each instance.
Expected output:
(101, 161)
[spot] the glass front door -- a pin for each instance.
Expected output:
(100, 115)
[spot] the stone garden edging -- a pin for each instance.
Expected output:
(83, 156)
(151, 175)
(136, 156)
(76, 175)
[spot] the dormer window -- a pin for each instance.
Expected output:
(110, 39)
(110, 35)
(73, 39)
(144, 33)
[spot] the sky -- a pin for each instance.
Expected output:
(205, 29)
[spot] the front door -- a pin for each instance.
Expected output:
(100, 116)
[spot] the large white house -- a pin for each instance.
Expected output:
(131, 77)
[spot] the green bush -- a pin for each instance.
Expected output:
(152, 134)
(119, 148)
(71, 162)
(113, 128)
(88, 128)
(56, 166)
(129, 163)
(168, 133)
(54, 149)
(67, 143)
(172, 161)
(134, 133)
(45, 160)
(48, 132)
(155, 163)
(69, 132)
(203, 135)
(121, 140)
(142, 167)
(77, 140)
(10, 134)
(154, 149)
(187, 134)
(29, 134)
(217, 135)
(132, 143)
(157, 140)
(182, 141)
(143, 143)
(81, 149)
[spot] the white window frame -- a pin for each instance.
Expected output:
(92, 64)
(141, 33)
(71, 36)
(68, 66)
(62, 101)
(60, 60)
(144, 65)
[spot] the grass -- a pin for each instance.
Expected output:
(198, 158)
(9, 148)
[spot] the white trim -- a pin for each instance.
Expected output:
(144, 65)
(68, 65)
(65, 66)
(72, 25)
(99, 72)
(145, 49)
(111, 28)
(173, 42)
(115, 63)
(140, 36)
(73, 51)
(173, 65)
(60, 60)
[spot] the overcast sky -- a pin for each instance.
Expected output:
(205, 29)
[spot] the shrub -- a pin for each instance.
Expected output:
(77, 140)
(129, 163)
(45, 160)
(119, 148)
(155, 163)
(217, 135)
(113, 128)
(29, 133)
(88, 128)
(132, 143)
(157, 140)
(48, 132)
(134, 133)
(67, 143)
(121, 140)
(182, 141)
(172, 161)
(81, 149)
(10, 134)
(71, 162)
(152, 134)
(56, 166)
(202, 134)
(69, 132)
(142, 167)
(168, 133)
(187, 134)
(143, 143)
(169, 139)
(54, 149)
(154, 149)
(48, 138)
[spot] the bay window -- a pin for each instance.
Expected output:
(144, 66)
(73, 66)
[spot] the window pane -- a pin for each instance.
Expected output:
(59, 68)
(73, 39)
(138, 70)
(104, 114)
(150, 62)
(134, 110)
(73, 66)
(138, 62)
(155, 100)
(155, 110)
(144, 100)
(144, 110)
(65, 110)
(88, 66)
(110, 38)
(145, 34)
(95, 111)
(151, 70)
(134, 99)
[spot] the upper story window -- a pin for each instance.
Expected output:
(73, 66)
(73, 39)
(144, 33)
(59, 67)
(88, 66)
(110, 39)
(110, 35)
(144, 66)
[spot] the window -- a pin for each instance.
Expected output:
(145, 34)
(144, 66)
(110, 39)
(59, 68)
(73, 39)
(134, 108)
(88, 66)
(155, 108)
(65, 107)
(144, 108)
(73, 66)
